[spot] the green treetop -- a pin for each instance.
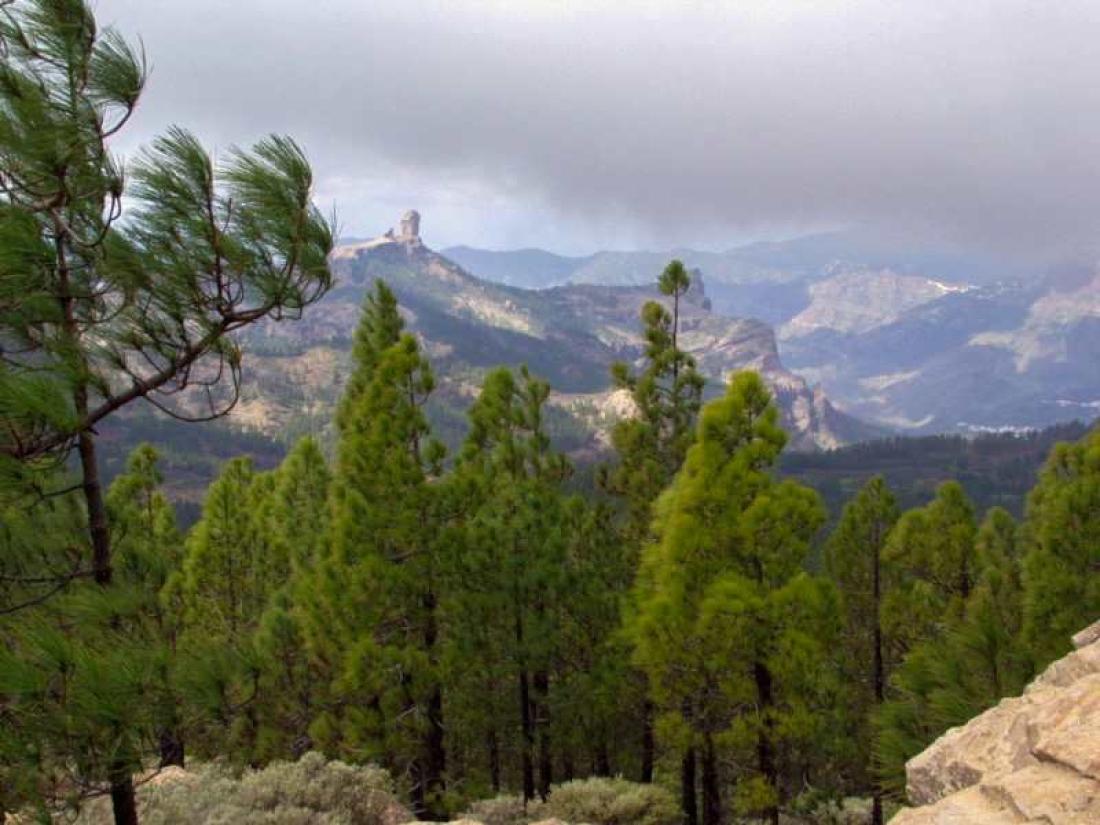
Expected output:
(1062, 541)
(714, 629)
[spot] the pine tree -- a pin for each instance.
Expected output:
(854, 560)
(296, 516)
(515, 553)
(89, 675)
(1062, 539)
(932, 553)
(95, 313)
(652, 442)
(379, 629)
(968, 659)
(714, 629)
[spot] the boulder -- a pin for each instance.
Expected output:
(1032, 758)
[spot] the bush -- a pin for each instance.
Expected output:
(501, 810)
(597, 801)
(603, 801)
(311, 791)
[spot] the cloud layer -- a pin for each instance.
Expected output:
(656, 124)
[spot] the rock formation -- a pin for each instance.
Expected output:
(1033, 758)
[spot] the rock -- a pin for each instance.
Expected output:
(1032, 758)
(1088, 636)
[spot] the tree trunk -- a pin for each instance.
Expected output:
(712, 800)
(569, 773)
(527, 727)
(123, 800)
(880, 669)
(93, 499)
(434, 743)
(648, 744)
(603, 759)
(171, 748)
(542, 725)
(492, 745)
(764, 747)
(687, 788)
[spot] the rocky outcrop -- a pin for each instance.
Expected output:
(1033, 758)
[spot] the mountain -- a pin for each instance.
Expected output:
(569, 334)
(915, 340)
(527, 268)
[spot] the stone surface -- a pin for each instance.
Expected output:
(1034, 758)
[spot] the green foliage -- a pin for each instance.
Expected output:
(967, 664)
(89, 675)
(1062, 543)
(854, 560)
(932, 559)
(604, 801)
(370, 609)
(598, 800)
(727, 628)
(307, 792)
(667, 394)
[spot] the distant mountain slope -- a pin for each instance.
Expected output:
(924, 341)
(527, 268)
(570, 334)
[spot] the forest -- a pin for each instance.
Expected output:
(467, 621)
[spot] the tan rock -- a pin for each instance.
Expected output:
(1034, 758)
(1087, 636)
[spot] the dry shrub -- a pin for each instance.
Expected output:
(598, 801)
(311, 791)
(602, 801)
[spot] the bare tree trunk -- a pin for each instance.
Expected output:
(171, 748)
(434, 743)
(764, 747)
(688, 802)
(492, 745)
(528, 731)
(648, 743)
(880, 669)
(712, 799)
(123, 800)
(542, 724)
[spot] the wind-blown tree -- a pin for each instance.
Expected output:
(714, 627)
(854, 561)
(1062, 541)
(378, 588)
(652, 442)
(96, 314)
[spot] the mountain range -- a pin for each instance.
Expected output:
(910, 340)
(570, 334)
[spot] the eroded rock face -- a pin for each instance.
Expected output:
(1032, 758)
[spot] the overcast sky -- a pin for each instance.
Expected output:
(577, 126)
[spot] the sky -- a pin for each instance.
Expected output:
(581, 126)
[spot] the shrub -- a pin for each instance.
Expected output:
(501, 810)
(603, 801)
(311, 791)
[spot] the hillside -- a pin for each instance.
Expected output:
(569, 334)
(921, 341)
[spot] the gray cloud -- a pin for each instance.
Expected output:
(656, 124)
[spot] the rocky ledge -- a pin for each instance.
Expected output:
(1033, 758)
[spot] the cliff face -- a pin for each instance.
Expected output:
(568, 334)
(1034, 758)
